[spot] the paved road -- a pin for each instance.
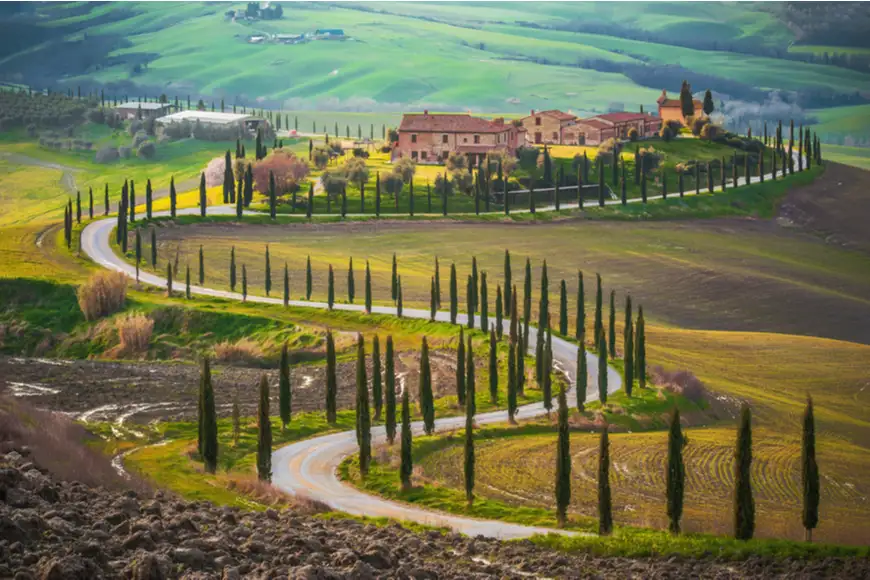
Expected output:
(308, 467)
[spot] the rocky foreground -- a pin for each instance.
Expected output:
(55, 530)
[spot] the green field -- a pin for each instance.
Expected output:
(855, 156)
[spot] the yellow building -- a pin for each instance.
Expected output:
(672, 110)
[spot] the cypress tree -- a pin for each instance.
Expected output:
(611, 337)
(744, 504)
(169, 278)
(628, 348)
(368, 288)
(351, 284)
(512, 381)
(331, 383)
(623, 194)
(240, 202)
(229, 182)
(390, 391)
(676, 474)
(232, 269)
(394, 281)
(377, 389)
(202, 195)
(563, 463)
(640, 356)
(540, 354)
(132, 203)
(521, 362)
(801, 148)
(507, 281)
(484, 300)
(643, 186)
(475, 302)
(437, 283)
(310, 208)
(330, 289)
(209, 422)
(460, 368)
(580, 322)
(600, 182)
(427, 406)
(469, 453)
(563, 309)
(493, 368)
(273, 198)
(286, 286)
(407, 461)
(433, 309)
(598, 316)
(547, 385)
(284, 390)
(187, 283)
(470, 386)
(364, 425)
(605, 509)
(514, 319)
(532, 198)
(602, 367)
(201, 267)
(91, 202)
(399, 301)
(499, 312)
(454, 298)
(527, 303)
(106, 201)
(138, 251)
(153, 248)
(809, 472)
(582, 382)
(244, 283)
(697, 178)
(309, 279)
(264, 433)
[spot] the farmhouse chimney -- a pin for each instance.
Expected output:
(425, 113)
(532, 112)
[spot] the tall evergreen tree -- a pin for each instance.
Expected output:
(407, 465)
(605, 508)
(484, 303)
(377, 388)
(602, 367)
(201, 266)
(493, 367)
(521, 361)
(169, 278)
(507, 281)
(351, 284)
(454, 294)
(611, 337)
(229, 180)
(628, 348)
(331, 381)
(399, 301)
(469, 453)
(187, 282)
(580, 322)
(687, 102)
(640, 345)
(232, 268)
(330, 288)
(540, 354)
(809, 472)
(427, 405)
(106, 201)
(744, 504)
(268, 272)
(475, 297)
(244, 283)
(437, 284)
(286, 285)
(240, 201)
(153, 248)
(499, 312)
(368, 288)
(264, 433)
(470, 385)
(582, 383)
(433, 308)
(676, 474)
(273, 197)
(600, 170)
(390, 391)
(512, 381)
(547, 386)
(395, 279)
(364, 424)
(149, 200)
(285, 393)
(527, 303)
(209, 420)
(309, 278)
(563, 308)
(132, 204)
(460, 368)
(563, 463)
(599, 322)
(202, 195)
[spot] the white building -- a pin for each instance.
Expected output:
(213, 118)
(132, 109)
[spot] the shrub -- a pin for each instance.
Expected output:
(124, 152)
(360, 152)
(406, 168)
(698, 124)
(648, 158)
(666, 133)
(147, 150)
(457, 162)
(606, 147)
(710, 131)
(214, 172)
(139, 138)
(393, 184)
(242, 351)
(527, 158)
(334, 181)
(176, 131)
(320, 157)
(632, 134)
(134, 332)
(103, 294)
(386, 149)
(680, 382)
(463, 181)
(135, 127)
(106, 154)
(288, 170)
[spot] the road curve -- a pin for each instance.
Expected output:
(308, 468)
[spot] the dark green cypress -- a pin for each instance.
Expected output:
(469, 453)
(507, 281)
(284, 388)
(527, 303)
(153, 248)
(390, 391)
(623, 194)
(437, 283)
(600, 182)
(433, 308)
(394, 280)
(201, 266)
(244, 283)
(460, 368)
(563, 463)
(209, 421)
(232, 269)
(598, 315)
(273, 198)
(676, 474)
(643, 186)
(377, 388)
(499, 312)
(521, 362)
(640, 355)
(138, 251)
(484, 303)
(493, 368)
(364, 424)
(809, 472)
(399, 301)
(563, 308)
(605, 508)
(264, 433)
(454, 297)
(628, 348)
(286, 285)
(330, 289)
(268, 272)
(368, 288)
(697, 178)
(611, 337)
(202, 195)
(744, 504)
(602, 367)
(514, 324)
(540, 354)
(187, 283)
(532, 198)
(512, 381)
(470, 386)
(351, 283)
(427, 405)
(132, 203)
(582, 383)
(169, 278)
(106, 201)
(547, 383)
(331, 383)
(309, 278)
(580, 322)
(407, 462)
(240, 202)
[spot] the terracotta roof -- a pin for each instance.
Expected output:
(450, 123)
(623, 117)
(595, 123)
(666, 103)
(558, 114)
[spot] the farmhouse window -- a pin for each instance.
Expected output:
(555, 135)
(413, 137)
(413, 154)
(423, 155)
(465, 139)
(444, 139)
(537, 121)
(477, 139)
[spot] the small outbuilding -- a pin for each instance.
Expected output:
(136, 110)
(250, 122)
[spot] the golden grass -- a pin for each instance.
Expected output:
(103, 294)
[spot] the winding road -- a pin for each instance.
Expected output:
(308, 468)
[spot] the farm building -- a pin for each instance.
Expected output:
(431, 138)
(552, 127)
(135, 110)
(597, 129)
(213, 118)
(672, 110)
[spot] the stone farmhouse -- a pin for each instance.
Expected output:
(551, 127)
(134, 110)
(595, 130)
(671, 110)
(430, 138)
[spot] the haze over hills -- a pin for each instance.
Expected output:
(488, 57)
